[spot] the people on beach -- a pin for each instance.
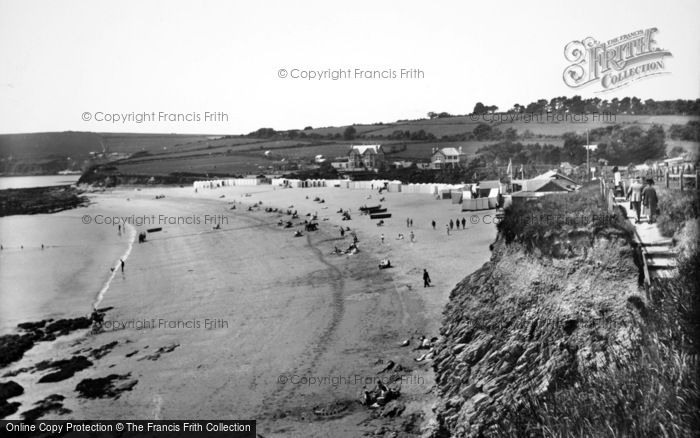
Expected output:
(342, 232)
(452, 224)
(464, 223)
(122, 264)
(650, 200)
(433, 223)
(457, 222)
(426, 278)
(634, 195)
(382, 237)
(413, 236)
(411, 223)
(447, 227)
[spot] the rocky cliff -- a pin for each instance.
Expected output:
(532, 325)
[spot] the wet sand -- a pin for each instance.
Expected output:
(282, 310)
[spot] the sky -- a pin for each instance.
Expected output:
(216, 66)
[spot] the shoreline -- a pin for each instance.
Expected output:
(358, 297)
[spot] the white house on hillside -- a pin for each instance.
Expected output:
(446, 158)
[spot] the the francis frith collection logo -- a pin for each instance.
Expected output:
(614, 63)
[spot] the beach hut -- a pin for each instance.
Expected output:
(394, 186)
(456, 196)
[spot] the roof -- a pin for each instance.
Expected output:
(448, 152)
(372, 148)
(546, 185)
(553, 174)
(526, 194)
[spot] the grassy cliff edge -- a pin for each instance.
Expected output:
(554, 336)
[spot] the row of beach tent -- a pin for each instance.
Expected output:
(229, 182)
(465, 194)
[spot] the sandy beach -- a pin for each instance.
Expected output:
(241, 322)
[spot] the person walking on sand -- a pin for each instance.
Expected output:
(447, 227)
(413, 237)
(452, 224)
(634, 195)
(122, 264)
(650, 200)
(411, 222)
(433, 224)
(382, 237)
(457, 223)
(408, 222)
(464, 223)
(426, 278)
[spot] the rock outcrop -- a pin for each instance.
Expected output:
(524, 326)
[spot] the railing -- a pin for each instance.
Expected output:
(677, 177)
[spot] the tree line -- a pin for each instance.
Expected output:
(578, 105)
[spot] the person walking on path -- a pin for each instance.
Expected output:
(650, 200)
(617, 181)
(426, 278)
(122, 264)
(634, 195)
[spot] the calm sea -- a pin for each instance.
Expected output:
(23, 182)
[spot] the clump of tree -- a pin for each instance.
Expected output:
(626, 105)
(480, 109)
(349, 133)
(519, 153)
(264, 133)
(442, 115)
(688, 132)
(616, 144)
(419, 135)
(624, 146)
